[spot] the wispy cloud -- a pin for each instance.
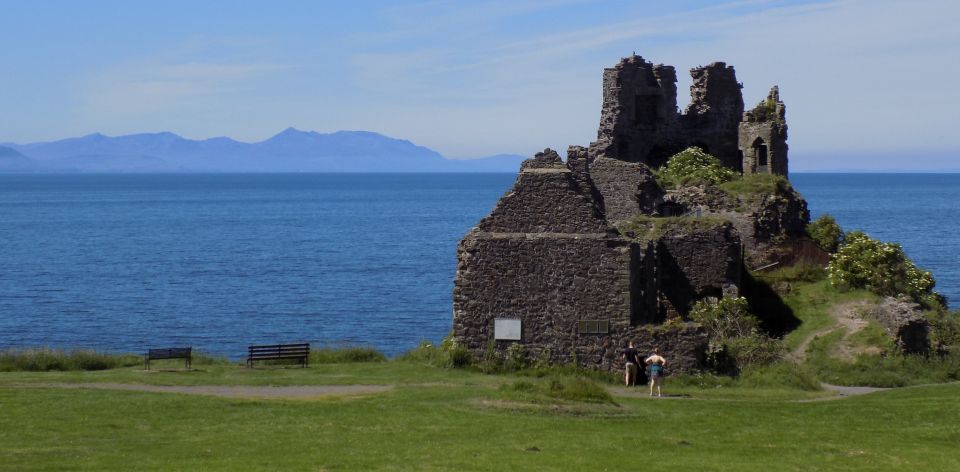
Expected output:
(838, 62)
(189, 76)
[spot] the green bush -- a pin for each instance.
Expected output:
(735, 340)
(726, 318)
(516, 357)
(944, 331)
(693, 166)
(826, 233)
(448, 354)
(882, 268)
(43, 360)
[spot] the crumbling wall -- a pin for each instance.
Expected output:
(766, 222)
(712, 119)
(763, 137)
(628, 188)
(696, 262)
(545, 256)
(546, 198)
(905, 323)
(639, 120)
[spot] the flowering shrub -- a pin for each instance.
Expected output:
(725, 318)
(879, 267)
(735, 340)
(692, 165)
(826, 233)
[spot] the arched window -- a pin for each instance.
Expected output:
(760, 150)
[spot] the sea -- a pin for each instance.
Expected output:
(125, 262)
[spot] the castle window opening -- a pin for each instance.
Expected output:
(761, 151)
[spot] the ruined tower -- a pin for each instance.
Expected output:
(640, 122)
(763, 137)
(712, 119)
(575, 260)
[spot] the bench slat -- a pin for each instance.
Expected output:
(169, 353)
(278, 351)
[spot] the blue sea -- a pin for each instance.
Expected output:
(221, 261)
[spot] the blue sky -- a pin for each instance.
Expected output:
(866, 82)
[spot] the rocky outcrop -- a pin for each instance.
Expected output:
(769, 222)
(905, 323)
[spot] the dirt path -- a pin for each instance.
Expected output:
(299, 392)
(846, 316)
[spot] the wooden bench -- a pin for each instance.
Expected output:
(185, 353)
(271, 352)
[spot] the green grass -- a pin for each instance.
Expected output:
(445, 419)
(43, 359)
(883, 367)
(757, 184)
(811, 302)
(572, 388)
(346, 355)
(647, 228)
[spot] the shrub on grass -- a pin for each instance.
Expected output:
(726, 318)
(826, 233)
(882, 268)
(43, 360)
(693, 166)
(447, 354)
(735, 340)
(944, 331)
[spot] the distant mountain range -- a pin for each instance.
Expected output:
(291, 150)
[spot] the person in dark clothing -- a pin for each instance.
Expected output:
(632, 361)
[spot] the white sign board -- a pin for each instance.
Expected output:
(507, 329)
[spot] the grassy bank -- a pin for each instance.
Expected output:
(443, 419)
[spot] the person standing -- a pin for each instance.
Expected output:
(656, 363)
(632, 361)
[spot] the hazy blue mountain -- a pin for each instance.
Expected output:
(291, 150)
(12, 160)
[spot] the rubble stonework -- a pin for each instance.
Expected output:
(904, 323)
(578, 253)
(763, 137)
(640, 122)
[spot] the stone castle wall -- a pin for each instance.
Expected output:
(549, 256)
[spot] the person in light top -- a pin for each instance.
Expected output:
(655, 363)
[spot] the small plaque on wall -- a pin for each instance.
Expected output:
(507, 329)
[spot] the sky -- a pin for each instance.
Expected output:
(868, 84)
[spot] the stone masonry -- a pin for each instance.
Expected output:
(763, 137)
(575, 260)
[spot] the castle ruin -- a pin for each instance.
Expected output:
(577, 258)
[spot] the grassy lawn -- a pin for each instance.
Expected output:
(442, 419)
